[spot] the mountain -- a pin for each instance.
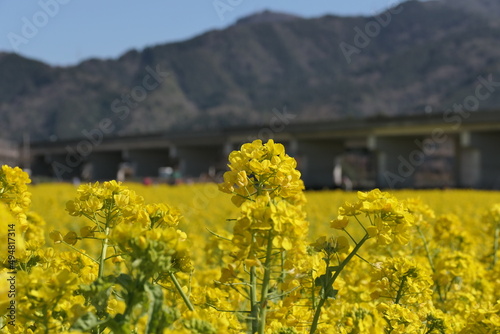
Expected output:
(415, 55)
(267, 17)
(486, 8)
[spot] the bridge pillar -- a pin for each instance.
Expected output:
(58, 166)
(316, 160)
(196, 161)
(394, 169)
(416, 161)
(479, 160)
(101, 166)
(147, 162)
(292, 147)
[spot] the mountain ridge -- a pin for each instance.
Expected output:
(266, 16)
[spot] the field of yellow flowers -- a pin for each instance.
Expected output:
(254, 254)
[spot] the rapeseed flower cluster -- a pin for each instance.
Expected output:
(259, 168)
(14, 191)
(389, 219)
(270, 230)
(401, 281)
(117, 264)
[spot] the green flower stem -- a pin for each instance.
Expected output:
(254, 313)
(113, 256)
(217, 235)
(390, 329)
(399, 295)
(105, 241)
(283, 271)
(426, 248)
(313, 295)
(323, 299)
(80, 252)
(431, 262)
(245, 197)
(181, 292)
(496, 245)
(361, 224)
(104, 250)
(350, 236)
(265, 284)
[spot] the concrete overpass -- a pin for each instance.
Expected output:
(435, 150)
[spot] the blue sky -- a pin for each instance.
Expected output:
(65, 32)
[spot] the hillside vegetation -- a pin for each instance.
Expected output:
(425, 53)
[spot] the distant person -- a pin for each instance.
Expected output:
(177, 175)
(346, 183)
(337, 174)
(76, 181)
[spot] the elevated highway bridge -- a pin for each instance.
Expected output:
(432, 150)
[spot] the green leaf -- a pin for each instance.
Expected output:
(125, 281)
(98, 294)
(320, 280)
(331, 292)
(86, 322)
(198, 326)
(156, 316)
